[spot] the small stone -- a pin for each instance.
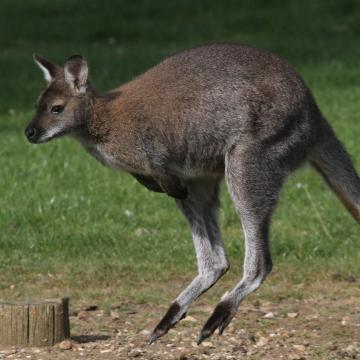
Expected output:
(234, 340)
(292, 315)
(207, 344)
(262, 341)
(91, 308)
(145, 332)
(269, 315)
(189, 319)
(82, 315)
(345, 320)
(350, 348)
(135, 353)
(114, 315)
(100, 313)
(299, 347)
(65, 345)
(105, 351)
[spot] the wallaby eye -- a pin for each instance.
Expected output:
(57, 109)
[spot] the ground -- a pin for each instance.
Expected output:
(319, 320)
(69, 226)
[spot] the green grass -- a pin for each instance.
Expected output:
(61, 212)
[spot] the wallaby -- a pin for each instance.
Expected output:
(206, 113)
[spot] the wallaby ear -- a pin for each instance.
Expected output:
(76, 73)
(49, 69)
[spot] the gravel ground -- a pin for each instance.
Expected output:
(298, 329)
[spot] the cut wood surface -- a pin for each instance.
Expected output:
(34, 323)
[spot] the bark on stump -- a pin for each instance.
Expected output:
(34, 323)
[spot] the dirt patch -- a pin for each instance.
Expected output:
(327, 327)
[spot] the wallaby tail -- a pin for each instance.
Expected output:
(331, 160)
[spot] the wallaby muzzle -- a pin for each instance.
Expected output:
(33, 133)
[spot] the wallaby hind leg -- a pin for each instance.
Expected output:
(254, 184)
(200, 209)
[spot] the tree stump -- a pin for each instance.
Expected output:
(34, 323)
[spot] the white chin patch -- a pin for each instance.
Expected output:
(50, 134)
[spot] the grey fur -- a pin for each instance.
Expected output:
(201, 114)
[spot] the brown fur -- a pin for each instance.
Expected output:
(215, 111)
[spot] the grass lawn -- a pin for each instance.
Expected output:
(66, 222)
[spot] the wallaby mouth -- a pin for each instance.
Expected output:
(34, 134)
(38, 135)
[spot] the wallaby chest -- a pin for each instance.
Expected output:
(107, 157)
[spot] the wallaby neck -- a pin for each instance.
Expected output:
(94, 119)
(103, 136)
(96, 125)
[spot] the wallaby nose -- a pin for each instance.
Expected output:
(30, 132)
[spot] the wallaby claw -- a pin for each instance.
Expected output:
(220, 319)
(200, 339)
(167, 322)
(152, 338)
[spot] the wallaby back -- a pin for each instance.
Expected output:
(331, 160)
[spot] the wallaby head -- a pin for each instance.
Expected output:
(62, 106)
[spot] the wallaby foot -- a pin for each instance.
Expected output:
(220, 319)
(174, 314)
